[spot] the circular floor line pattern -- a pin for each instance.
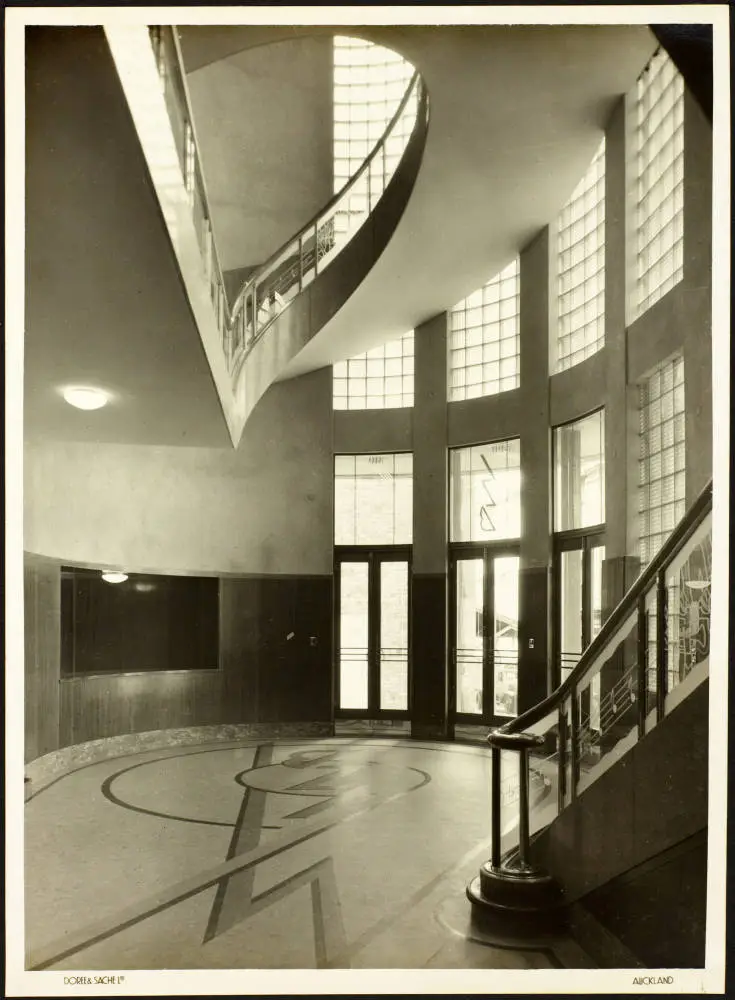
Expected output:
(101, 930)
(172, 753)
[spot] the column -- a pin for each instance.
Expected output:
(533, 639)
(621, 402)
(429, 705)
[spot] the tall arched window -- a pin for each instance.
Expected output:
(656, 187)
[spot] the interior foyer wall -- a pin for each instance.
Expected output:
(260, 518)
(680, 321)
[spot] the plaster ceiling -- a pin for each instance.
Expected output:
(105, 304)
(516, 114)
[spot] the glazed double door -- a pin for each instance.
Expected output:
(578, 588)
(484, 629)
(373, 601)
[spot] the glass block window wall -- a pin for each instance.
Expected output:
(580, 329)
(661, 467)
(484, 340)
(657, 211)
(382, 378)
(369, 84)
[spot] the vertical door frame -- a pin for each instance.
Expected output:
(374, 556)
(487, 552)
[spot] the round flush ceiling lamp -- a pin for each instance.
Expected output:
(85, 397)
(114, 577)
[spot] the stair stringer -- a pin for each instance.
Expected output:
(653, 798)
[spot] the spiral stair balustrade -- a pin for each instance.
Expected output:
(271, 288)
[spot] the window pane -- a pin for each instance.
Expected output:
(571, 610)
(579, 473)
(661, 490)
(658, 164)
(505, 634)
(487, 322)
(370, 82)
(353, 635)
(373, 500)
(470, 618)
(580, 305)
(394, 635)
(485, 492)
(382, 378)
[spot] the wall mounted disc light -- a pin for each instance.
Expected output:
(114, 577)
(85, 397)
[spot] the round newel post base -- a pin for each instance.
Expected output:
(516, 895)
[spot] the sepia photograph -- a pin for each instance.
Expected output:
(367, 524)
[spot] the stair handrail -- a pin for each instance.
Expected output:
(336, 198)
(686, 527)
(515, 869)
(253, 329)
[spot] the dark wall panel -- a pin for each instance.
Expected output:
(429, 673)
(275, 666)
(42, 611)
(144, 623)
(652, 799)
(279, 644)
(97, 707)
(533, 646)
(670, 892)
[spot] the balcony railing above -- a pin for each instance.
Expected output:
(274, 285)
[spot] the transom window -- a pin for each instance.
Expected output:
(657, 190)
(382, 378)
(661, 468)
(484, 340)
(485, 492)
(373, 499)
(580, 330)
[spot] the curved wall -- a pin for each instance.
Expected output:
(679, 322)
(259, 518)
(264, 513)
(265, 508)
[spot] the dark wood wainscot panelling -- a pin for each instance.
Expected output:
(276, 636)
(42, 610)
(429, 636)
(533, 637)
(100, 706)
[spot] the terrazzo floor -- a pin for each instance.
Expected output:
(348, 853)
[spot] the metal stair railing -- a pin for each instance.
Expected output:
(273, 285)
(656, 639)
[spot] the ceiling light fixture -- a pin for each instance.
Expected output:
(114, 577)
(85, 397)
